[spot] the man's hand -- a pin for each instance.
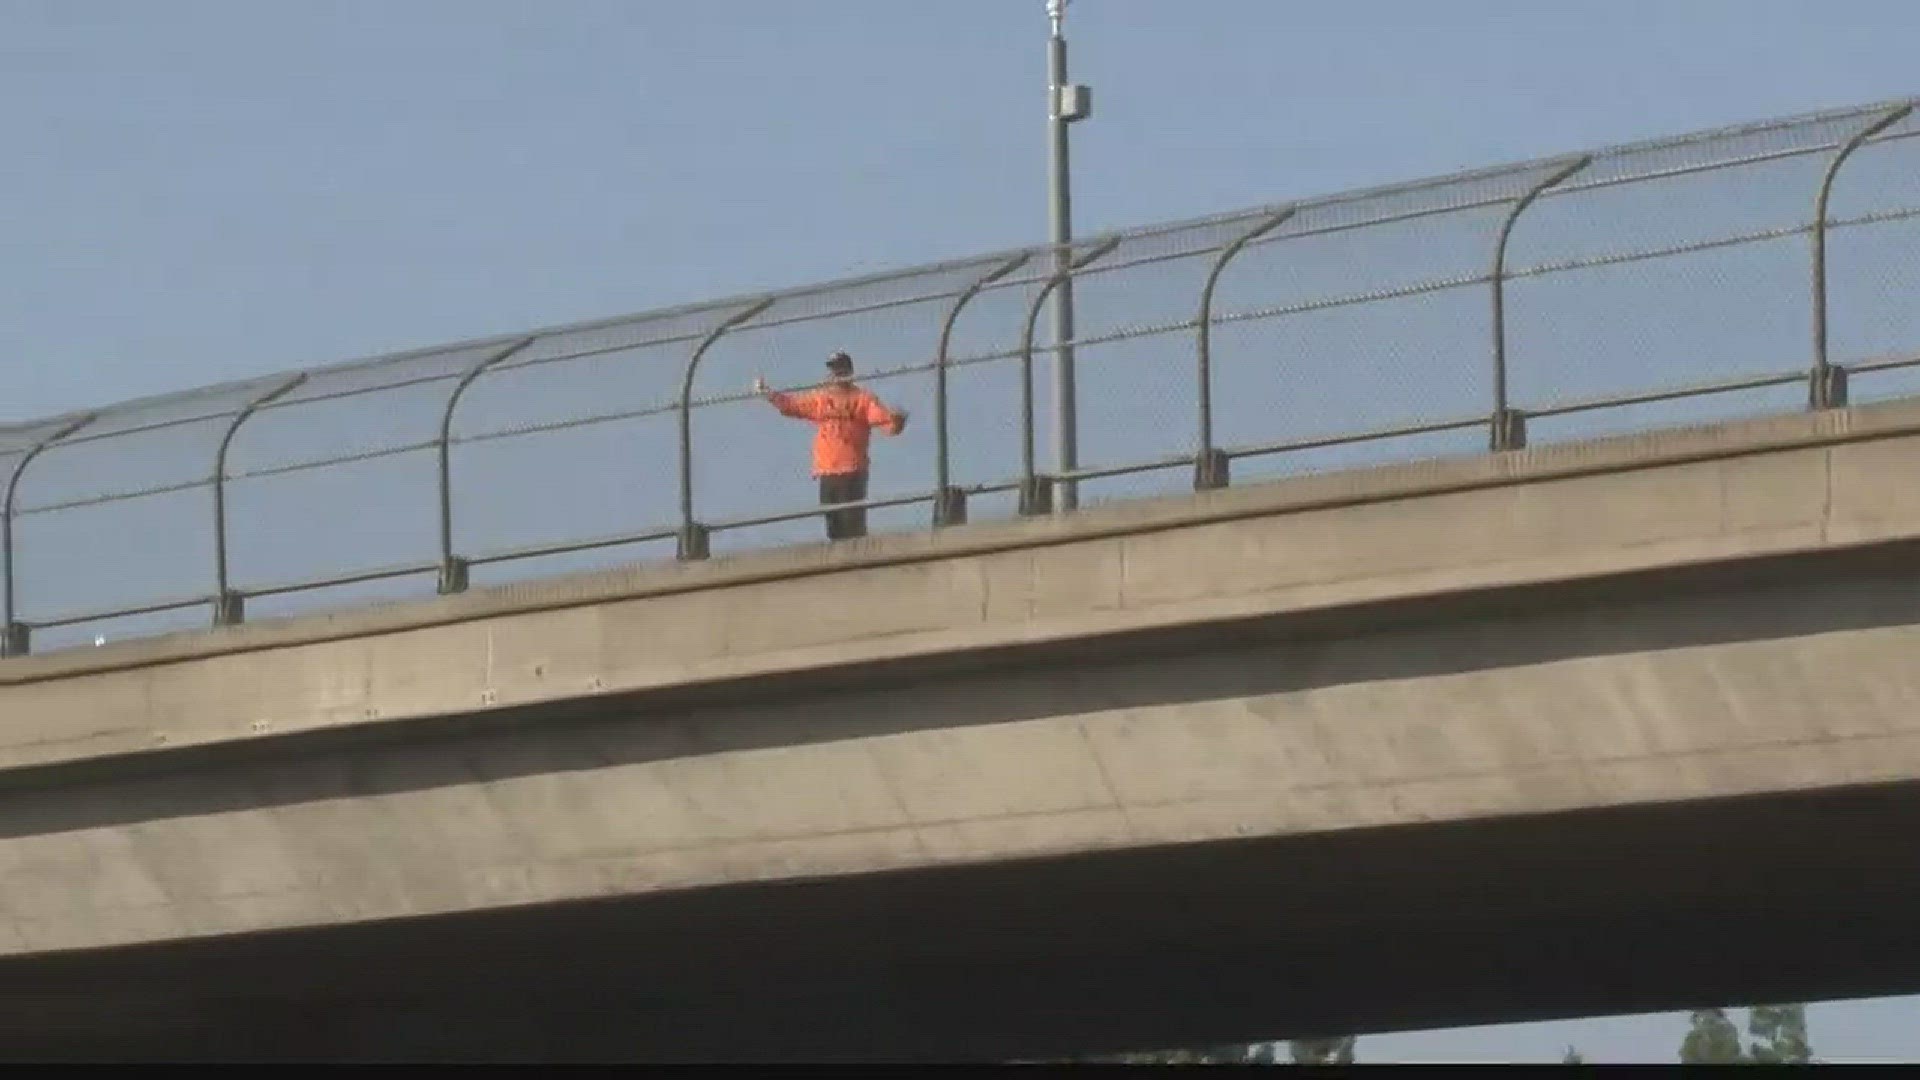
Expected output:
(899, 421)
(759, 385)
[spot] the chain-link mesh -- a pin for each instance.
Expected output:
(1664, 282)
(19, 443)
(1873, 276)
(890, 328)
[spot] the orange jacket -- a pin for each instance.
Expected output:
(846, 417)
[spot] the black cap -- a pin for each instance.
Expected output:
(840, 363)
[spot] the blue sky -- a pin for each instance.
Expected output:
(214, 189)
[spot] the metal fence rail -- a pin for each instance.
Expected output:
(1596, 288)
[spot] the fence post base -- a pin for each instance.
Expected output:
(1036, 496)
(16, 640)
(229, 609)
(1509, 430)
(1827, 389)
(455, 574)
(1212, 469)
(950, 507)
(693, 543)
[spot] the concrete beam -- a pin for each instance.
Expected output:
(1660, 696)
(1366, 931)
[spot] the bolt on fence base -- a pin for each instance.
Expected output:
(1827, 388)
(455, 574)
(692, 543)
(229, 609)
(1509, 430)
(16, 640)
(1036, 496)
(1212, 469)
(950, 508)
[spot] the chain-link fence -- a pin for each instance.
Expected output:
(1753, 269)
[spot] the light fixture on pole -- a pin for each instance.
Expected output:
(1066, 103)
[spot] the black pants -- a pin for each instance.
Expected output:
(845, 487)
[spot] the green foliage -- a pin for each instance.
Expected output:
(1212, 1055)
(1301, 1052)
(1779, 1037)
(1711, 1039)
(1323, 1051)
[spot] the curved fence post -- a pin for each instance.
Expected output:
(229, 607)
(693, 535)
(15, 636)
(1827, 385)
(453, 570)
(1509, 428)
(1036, 492)
(950, 503)
(1210, 469)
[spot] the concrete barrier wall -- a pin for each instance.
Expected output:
(1789, 484)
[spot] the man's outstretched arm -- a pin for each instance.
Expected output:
(876, 414)
(798, 406)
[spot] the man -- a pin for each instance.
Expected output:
(844, 416)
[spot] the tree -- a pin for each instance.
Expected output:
(1211, 1055)
(1779, 1037)
(1780, 1034)
(1711, 1039)
(1323, 1051)
(1338, 1051)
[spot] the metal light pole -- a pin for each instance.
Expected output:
(1066, 103)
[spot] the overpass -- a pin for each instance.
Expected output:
(1603, 726)
(1382, 691)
